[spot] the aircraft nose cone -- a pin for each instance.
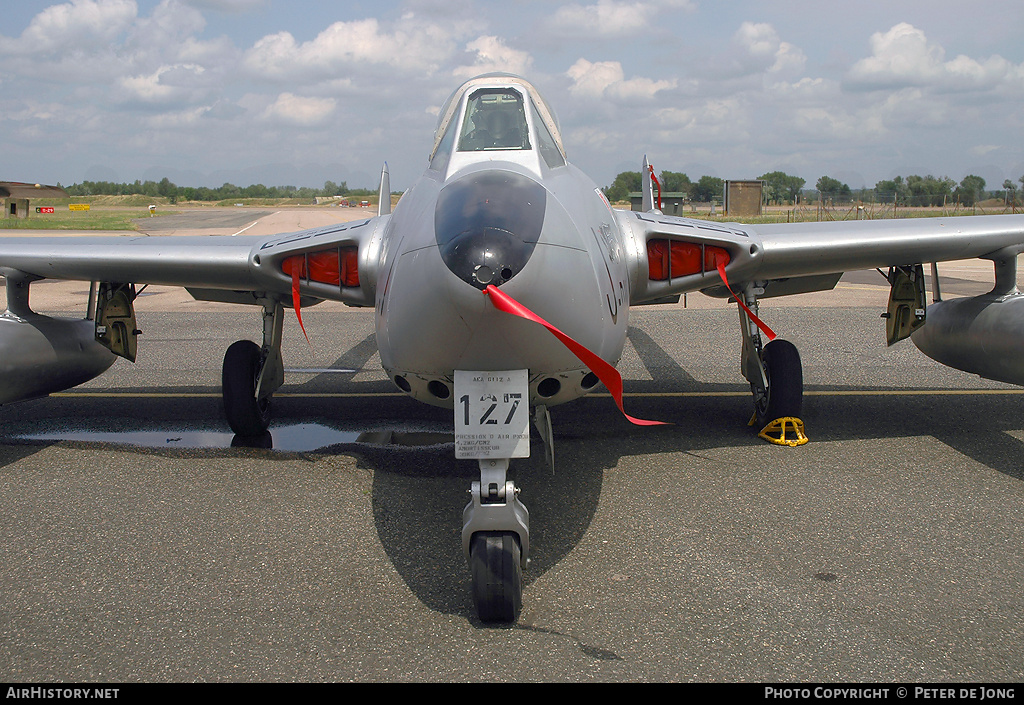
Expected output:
(487, 224)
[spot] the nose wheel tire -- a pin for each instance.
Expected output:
(785, 392)
(247, 415)
(497, 575)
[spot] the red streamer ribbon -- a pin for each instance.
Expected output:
(295, 301)
(757, 321)
(605, 372)
(656, 183)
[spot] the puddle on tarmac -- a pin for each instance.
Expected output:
(295, 438)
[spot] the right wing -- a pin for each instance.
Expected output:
(799, 257)
(800, 249)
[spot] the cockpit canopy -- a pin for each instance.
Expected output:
(495, 119)
(501, 116)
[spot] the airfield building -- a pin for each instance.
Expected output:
(17, 195)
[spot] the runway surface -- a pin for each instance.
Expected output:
(889, 548)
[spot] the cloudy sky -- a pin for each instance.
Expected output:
(299, 92)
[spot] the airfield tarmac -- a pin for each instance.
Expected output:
(890, 548)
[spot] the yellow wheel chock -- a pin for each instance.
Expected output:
(776, 432)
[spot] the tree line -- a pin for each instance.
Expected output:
(174, 193)
(931, 191)
(782, 188)
(779, 187)
(705, 189)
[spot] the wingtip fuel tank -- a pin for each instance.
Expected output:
(982, 335)
(40, 355)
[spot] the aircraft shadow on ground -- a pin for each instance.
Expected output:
(418, 493)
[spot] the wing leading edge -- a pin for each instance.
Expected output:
(816, 248)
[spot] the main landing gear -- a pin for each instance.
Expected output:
(781, 394)
(251, 374)
(776, 379)
(496, 541)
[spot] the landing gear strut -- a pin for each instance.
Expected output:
(251, 374)
(496, 540)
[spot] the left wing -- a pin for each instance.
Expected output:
(234, 265)
(40, 355)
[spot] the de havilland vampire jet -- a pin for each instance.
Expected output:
(502, 283)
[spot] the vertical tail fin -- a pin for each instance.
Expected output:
(384, 204)
(647, 204)
(647, 177)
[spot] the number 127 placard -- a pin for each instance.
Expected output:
(492, 414)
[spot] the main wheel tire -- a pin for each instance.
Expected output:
(785, 394)
(247, 415)
(494, 559)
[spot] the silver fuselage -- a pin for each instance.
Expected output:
(431, 322)
(501, 208)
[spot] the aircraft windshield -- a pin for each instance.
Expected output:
(495, 119)
(548, 149)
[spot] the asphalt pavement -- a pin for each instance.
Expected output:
(138, 544)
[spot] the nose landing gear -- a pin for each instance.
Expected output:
(496, 564)
(496, 541)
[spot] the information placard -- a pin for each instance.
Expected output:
(492, 414)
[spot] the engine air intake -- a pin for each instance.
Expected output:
(668, 259)
(339, 266)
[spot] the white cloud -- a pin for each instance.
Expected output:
(79, 24)
(83, 78)
(765, 51)
(174, 17)
(105, 43)
(606, 18)
(904, 56)
(298, 110)
(166, 83)
(412, 45)
(219, 52)
(710, 120)
(611, 18)
(170, 23)
(491, 55)
(591, 79)
(982, 150)
(832, 123)
(807, 89)
(606, 79)
(233, 6)
(174, 120)
(32, 111)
